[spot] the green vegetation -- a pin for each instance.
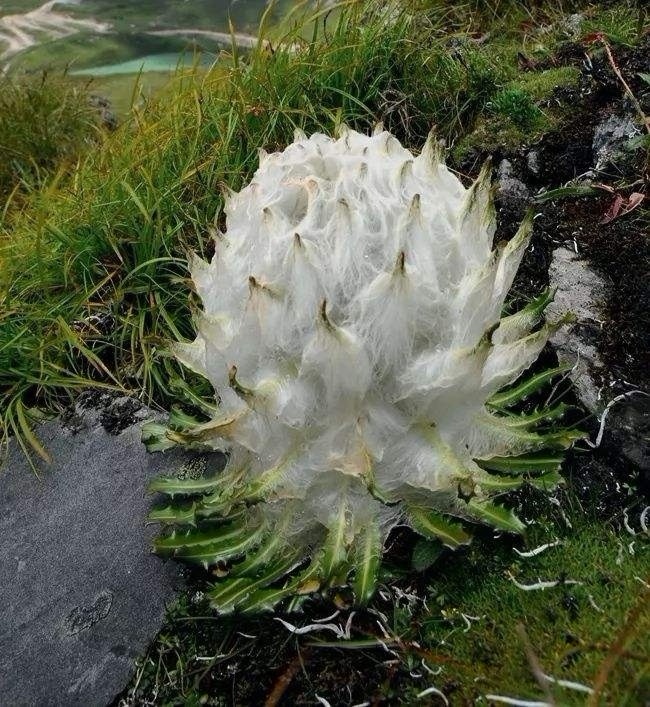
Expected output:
(108, 246)
(589, 628)
(571, 627)
(517, 105)
(90, 264)
(47, 124)
(95, 232)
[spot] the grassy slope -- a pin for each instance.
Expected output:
(93, 283)
(111, 240)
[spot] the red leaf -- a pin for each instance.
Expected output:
(613, 210)
(621, 206)
(633, 201)
(593, 37)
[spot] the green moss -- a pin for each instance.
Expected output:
(520, 113)
(540, 85)
(571, 627)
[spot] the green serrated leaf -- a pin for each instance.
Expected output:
(181, 515)
(425, 553)
(566, 192)
(273, 545)
(528, 387)
(173, 486)
(155, 437)
(335, 550)
(231, 594)
(496, 516)
(541, 416)
(195, 538)
(563, 438)
(522, 464)
(180, 420)
(548, 481)
(517, 324)
(220, 550)
(433, 525)
(501, 484)
(368, 556)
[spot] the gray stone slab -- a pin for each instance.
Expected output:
(581, 291)
(81, 595)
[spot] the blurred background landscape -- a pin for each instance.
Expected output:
(111, 43)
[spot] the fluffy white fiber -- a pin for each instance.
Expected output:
(351, 329)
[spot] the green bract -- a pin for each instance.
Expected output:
(352, 329)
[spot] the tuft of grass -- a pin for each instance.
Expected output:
(46, 123)
(518, 106)
(622, 23)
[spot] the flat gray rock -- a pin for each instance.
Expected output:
(581, 291)
(81, 593)
(610, 137)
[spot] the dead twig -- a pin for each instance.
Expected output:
(637, 106)
(533, 662)
(281, 685)
(617, 649)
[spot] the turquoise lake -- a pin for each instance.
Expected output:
(108, 38)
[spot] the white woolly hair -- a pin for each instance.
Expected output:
(351, 329)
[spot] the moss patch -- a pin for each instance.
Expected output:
(572, 628)
(520, 113)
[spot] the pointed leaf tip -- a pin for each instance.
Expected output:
(436, 526)
(497, 516)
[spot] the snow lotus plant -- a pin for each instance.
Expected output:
(352, 330)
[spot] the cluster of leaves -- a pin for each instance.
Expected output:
(260, 572)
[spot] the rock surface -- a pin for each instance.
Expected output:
(610, 137)
(512, 193)
(579, 290)
(80, 591)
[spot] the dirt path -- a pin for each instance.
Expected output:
(20, 32)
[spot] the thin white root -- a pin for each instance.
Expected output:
(540, 584)
(433, 691)
(538, 550)
(570, 684)
(603, 417)
(594, 605)
(516, 701)
(342, 633)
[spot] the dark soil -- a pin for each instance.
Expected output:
(618, 250)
